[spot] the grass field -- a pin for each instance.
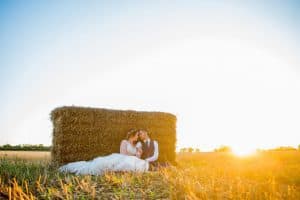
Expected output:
(266, 175)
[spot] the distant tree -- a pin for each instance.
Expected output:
(223, 148)
(190, 149)
(183, 150)
(6, 146)
(197, 150)
(299, 147)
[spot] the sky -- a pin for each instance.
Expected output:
(229, 70)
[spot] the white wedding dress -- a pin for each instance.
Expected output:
(112, 162)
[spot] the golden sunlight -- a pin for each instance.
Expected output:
(243, 151)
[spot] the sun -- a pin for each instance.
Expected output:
(242, 152)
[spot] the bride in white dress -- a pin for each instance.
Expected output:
(127, 160)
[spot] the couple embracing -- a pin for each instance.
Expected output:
(137, 153)
(139, 144)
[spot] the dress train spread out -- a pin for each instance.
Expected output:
(112, 162)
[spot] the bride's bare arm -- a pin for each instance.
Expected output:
(123, 147)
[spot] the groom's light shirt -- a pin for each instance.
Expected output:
(155, 154)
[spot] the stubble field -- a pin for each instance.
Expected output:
(266, 175)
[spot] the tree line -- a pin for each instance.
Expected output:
(25, 147)
(196, 150)
(225, 148)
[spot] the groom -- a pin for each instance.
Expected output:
(149, 148)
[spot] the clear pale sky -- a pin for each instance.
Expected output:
(229, 70)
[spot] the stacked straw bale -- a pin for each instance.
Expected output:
(83, 133)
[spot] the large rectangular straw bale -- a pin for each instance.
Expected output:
(82, 133)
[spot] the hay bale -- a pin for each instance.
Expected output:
(82, 133)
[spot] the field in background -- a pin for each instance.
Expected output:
(266, 175)
(27, 155)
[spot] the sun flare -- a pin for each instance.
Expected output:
(242, 152)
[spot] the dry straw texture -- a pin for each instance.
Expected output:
(82, 133)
